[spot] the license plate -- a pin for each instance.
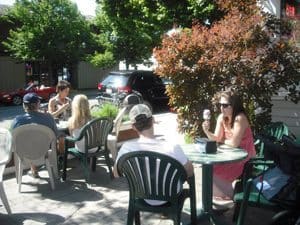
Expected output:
(108, 90)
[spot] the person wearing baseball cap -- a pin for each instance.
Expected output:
(142, 122)
(31, 104)
(31, 98)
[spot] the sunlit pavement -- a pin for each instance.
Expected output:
(104, 201)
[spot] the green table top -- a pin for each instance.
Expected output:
(225, 154)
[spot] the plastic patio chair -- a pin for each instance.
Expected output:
(34, 144)
(245, 194)
(95, 134)
(112, 139)
(5, 156)
(275, 131)
(249, 195)
(156, 176)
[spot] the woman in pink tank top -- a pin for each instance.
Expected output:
(233, 129)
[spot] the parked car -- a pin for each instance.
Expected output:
(16, 97)
(148, 84)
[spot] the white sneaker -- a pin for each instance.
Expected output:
(223, 203)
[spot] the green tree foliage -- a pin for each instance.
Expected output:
(135, 27)
(246, 49)
(47, 30)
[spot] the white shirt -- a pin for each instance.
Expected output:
(80, 144)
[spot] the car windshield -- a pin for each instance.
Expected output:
(166, 81)
(115, 80)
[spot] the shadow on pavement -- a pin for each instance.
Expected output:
(19, 218)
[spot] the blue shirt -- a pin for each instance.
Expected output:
(35, 117)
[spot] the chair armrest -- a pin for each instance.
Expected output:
(72, 139)
(261, 161)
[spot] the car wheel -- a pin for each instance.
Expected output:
(17, 100)
(52, 95)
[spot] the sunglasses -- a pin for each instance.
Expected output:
(224, 105)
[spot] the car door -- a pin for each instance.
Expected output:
(150, 86)
(158, 89)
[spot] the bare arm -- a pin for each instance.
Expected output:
(60, 110)
(189, 168)
(238, 130)
(218, 135)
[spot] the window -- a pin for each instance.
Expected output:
(291, 11)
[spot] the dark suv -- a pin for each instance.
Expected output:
(151, 86)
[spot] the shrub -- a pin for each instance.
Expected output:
(245, 49)
(106, 110)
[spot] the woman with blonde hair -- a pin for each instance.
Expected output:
(80, 116)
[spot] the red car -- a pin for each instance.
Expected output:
(16, 97)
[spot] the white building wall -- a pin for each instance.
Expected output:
(12, 74)
(287, 112)
(272, 6)
(88, 75)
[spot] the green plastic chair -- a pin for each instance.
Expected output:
(274, 130)
(249, 195)
(156, 176)
(245, 194)
(95, 134)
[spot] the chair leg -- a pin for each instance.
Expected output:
(137, 218)
(64, 174)
(237, 207)
(85, 167)
(107, 160)
(130, 214)
(20, 174)
(193, 204)
(4, 198)
(49, 168)
(244, 205)
(177, 218)
(52, 155)
(93, 163)
(16, 162)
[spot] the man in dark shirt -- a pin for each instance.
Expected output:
(31, 104)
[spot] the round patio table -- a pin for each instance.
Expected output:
(224, 154)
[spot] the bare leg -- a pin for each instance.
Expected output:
(34, 171)
(222, 188)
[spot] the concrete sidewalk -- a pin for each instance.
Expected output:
(104, 201)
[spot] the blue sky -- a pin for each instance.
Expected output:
(86, 7)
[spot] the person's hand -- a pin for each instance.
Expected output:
(206, 125)
(66, 106)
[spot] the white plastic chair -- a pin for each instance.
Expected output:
(33, 144)
(5, 155)
(112, 139)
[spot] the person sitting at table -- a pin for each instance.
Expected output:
(141, 117)
(60, 105)
(31, 104)
(233, 129)
(80, 116)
